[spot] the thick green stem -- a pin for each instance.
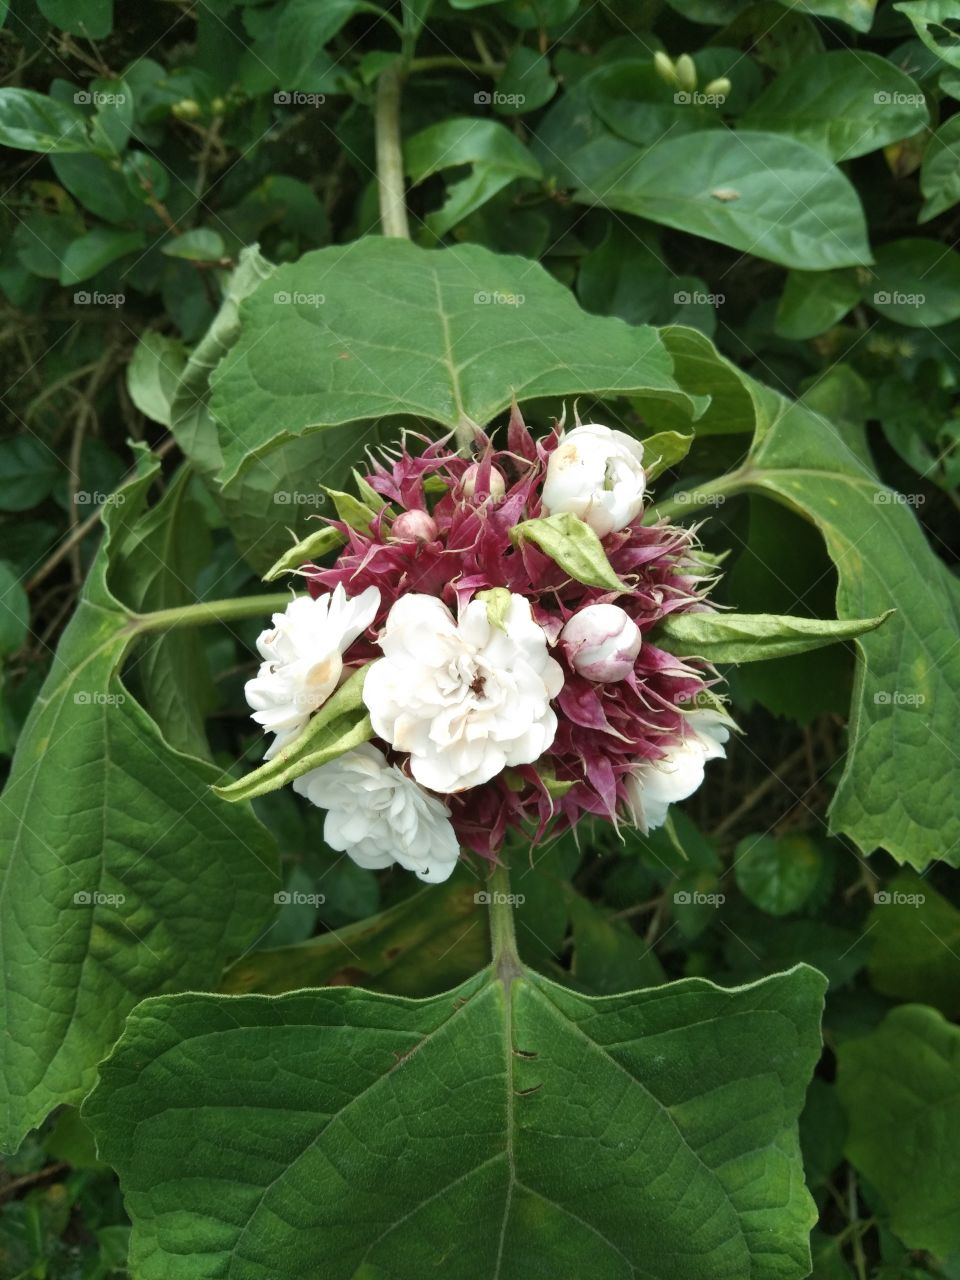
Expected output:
(393, 208)
(503, 939)
(693, 502)
(193, 615)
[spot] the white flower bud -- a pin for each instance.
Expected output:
(414, 526)
(601, 642)
(597, 474)
(665, 68)
(498, 486)
(720, 87)
(686, 72)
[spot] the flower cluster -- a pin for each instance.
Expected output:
(503, 691)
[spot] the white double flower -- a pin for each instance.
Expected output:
(303, 659)
(465, 699)
(378, 816)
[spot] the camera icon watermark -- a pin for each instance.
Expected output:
(299, 498)
(94, 98)
(293, 898)
(94, 898)
(496, 298)
(294, 98)
(486, 898)
(297, 299)
(84, 298)
(897, 698)
(97, 698)
(86, 498)
(697, 298)
(497, 99)
(885, 99)
(890, 497)
(693, 898)
(894, 298)
(894, 898)
(696, 98)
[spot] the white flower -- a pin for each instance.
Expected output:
(379, 816)
(465, 699)
(601, 642)
(303, 659)
(656, 785)
(596, 473)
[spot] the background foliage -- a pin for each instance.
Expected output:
(804, 217)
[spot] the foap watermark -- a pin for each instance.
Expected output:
(84, 298)
(294, 898)
(94, 898)
(885, 99)
(86, 498)
(98, 698)
(891, 498)
(694, 499)
(897, 698)
(297, 299)
(294, 98)
(894, 298)
(684, 298)
(94, 98)
(694, 898)
(299, 498)
(496, 298)
(894, 898)
(497, 99)
(698, 98)
(486, 898)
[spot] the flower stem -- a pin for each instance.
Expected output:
(503, 938)
(692, 501)
(393, 208)
(192, 615)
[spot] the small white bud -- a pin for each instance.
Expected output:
(601, 642)
(686, 72)
(719, 88)
(665, 68)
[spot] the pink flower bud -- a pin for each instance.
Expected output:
(601, 642)
(498, 485)
(414, 526)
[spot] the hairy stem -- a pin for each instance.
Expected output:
(393, 208)
(693, 501)
(503, 938)
(207, 611)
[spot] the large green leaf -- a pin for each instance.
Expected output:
(102, 825)
(900, 787)
(380, 327)
(760, 193)
(505, 1129)
(900, 1086)
(845, 102)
